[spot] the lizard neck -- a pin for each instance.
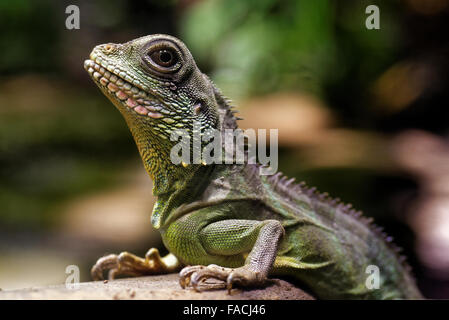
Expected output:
(154, 150)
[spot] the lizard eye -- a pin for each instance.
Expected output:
(164, 58)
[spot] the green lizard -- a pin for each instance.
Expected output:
(225, 223)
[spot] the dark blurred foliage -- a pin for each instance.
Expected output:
(60, 138)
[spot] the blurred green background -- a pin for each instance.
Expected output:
(362, 114)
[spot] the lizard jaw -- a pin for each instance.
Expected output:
(123, 91)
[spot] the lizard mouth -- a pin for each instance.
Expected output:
(132, 97)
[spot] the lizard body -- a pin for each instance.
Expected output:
(226, 221)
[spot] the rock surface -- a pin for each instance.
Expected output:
(154, 288)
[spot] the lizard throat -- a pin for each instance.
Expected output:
(129, 96)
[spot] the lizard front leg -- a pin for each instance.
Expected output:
(128, 264)
(232, 237)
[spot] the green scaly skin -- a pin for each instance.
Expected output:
(228, 222)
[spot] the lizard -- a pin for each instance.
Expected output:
(226, 225)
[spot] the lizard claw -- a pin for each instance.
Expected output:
(245, 277)
(184, 277)
(109, 262)
(197, 277)
(128, 264)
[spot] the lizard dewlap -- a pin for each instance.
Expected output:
(226, 221)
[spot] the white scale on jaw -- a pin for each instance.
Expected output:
(131, 96)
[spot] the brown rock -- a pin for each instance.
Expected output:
(165, 287)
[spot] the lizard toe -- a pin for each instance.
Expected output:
(243, 276)
(109, 262)
(197, 276)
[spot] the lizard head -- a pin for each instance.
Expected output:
(154, 80)
(155, 83)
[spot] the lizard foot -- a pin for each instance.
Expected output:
(197, 277)
(129, 264)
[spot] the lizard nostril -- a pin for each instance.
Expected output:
(108, 48)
